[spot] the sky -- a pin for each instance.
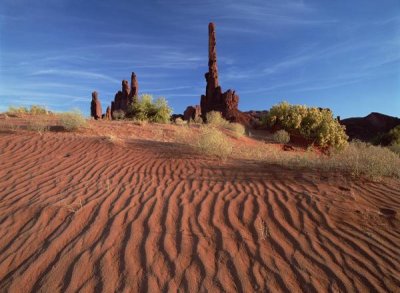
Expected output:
(344, 55)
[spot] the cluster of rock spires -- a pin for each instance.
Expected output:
(214, 99)
(124, 97)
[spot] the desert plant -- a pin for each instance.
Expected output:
(180, 121)
(118, 114)
(237, 129)
(281, 136)
(196, 120)
(38, 125)
(72, 121)
(33, 110)
(146, 109)
(392, 137)
(362, 158)
(139, 122)
(314, 124)
(17, 110)
(395, 148)
(212, 141)
(215, 118)
(38, 110)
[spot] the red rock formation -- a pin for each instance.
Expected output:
(127, 95)
(214, 100)
(95, 106)
(134, 89)
(108, 113)
(192, 113)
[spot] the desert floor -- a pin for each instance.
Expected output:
(91, 211)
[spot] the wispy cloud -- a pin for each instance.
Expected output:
(75, 73)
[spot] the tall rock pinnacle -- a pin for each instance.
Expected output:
(214, 99)
(212, 75)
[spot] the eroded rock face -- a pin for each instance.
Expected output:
(95, 106)
(192, 113)
(127, 95)
(214, 99)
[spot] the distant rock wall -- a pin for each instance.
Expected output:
(368, 127)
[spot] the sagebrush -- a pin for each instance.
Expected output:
(314, 124)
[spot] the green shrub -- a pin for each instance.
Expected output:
(118, 114)
(281, 136)
(72, 121)
(237, 129)
(316, 125)
(146, 109)
(215, 118)
(212, 141)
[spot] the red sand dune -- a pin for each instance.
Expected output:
(79, 213)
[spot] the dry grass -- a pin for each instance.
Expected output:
(115, 139)
(358, 159)
(205, 140)
(212, 141)
(72, 121)
(38, 125)
(237, 129)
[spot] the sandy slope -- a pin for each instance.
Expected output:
(81, 213)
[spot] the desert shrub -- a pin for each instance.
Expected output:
(38, 125)
(212, 141)
(145, 109)
(281, 136)
(17, 110)
(139, 122)
(38, 110)
(215, 118)
(395, 148)
(392, 137)
(118, 114)
(361, 158)
(33, 110)
(72, 121)
(237, 129)
(316, 125)
(196, 120)
(180, 121)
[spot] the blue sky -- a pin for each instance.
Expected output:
(344, 55)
